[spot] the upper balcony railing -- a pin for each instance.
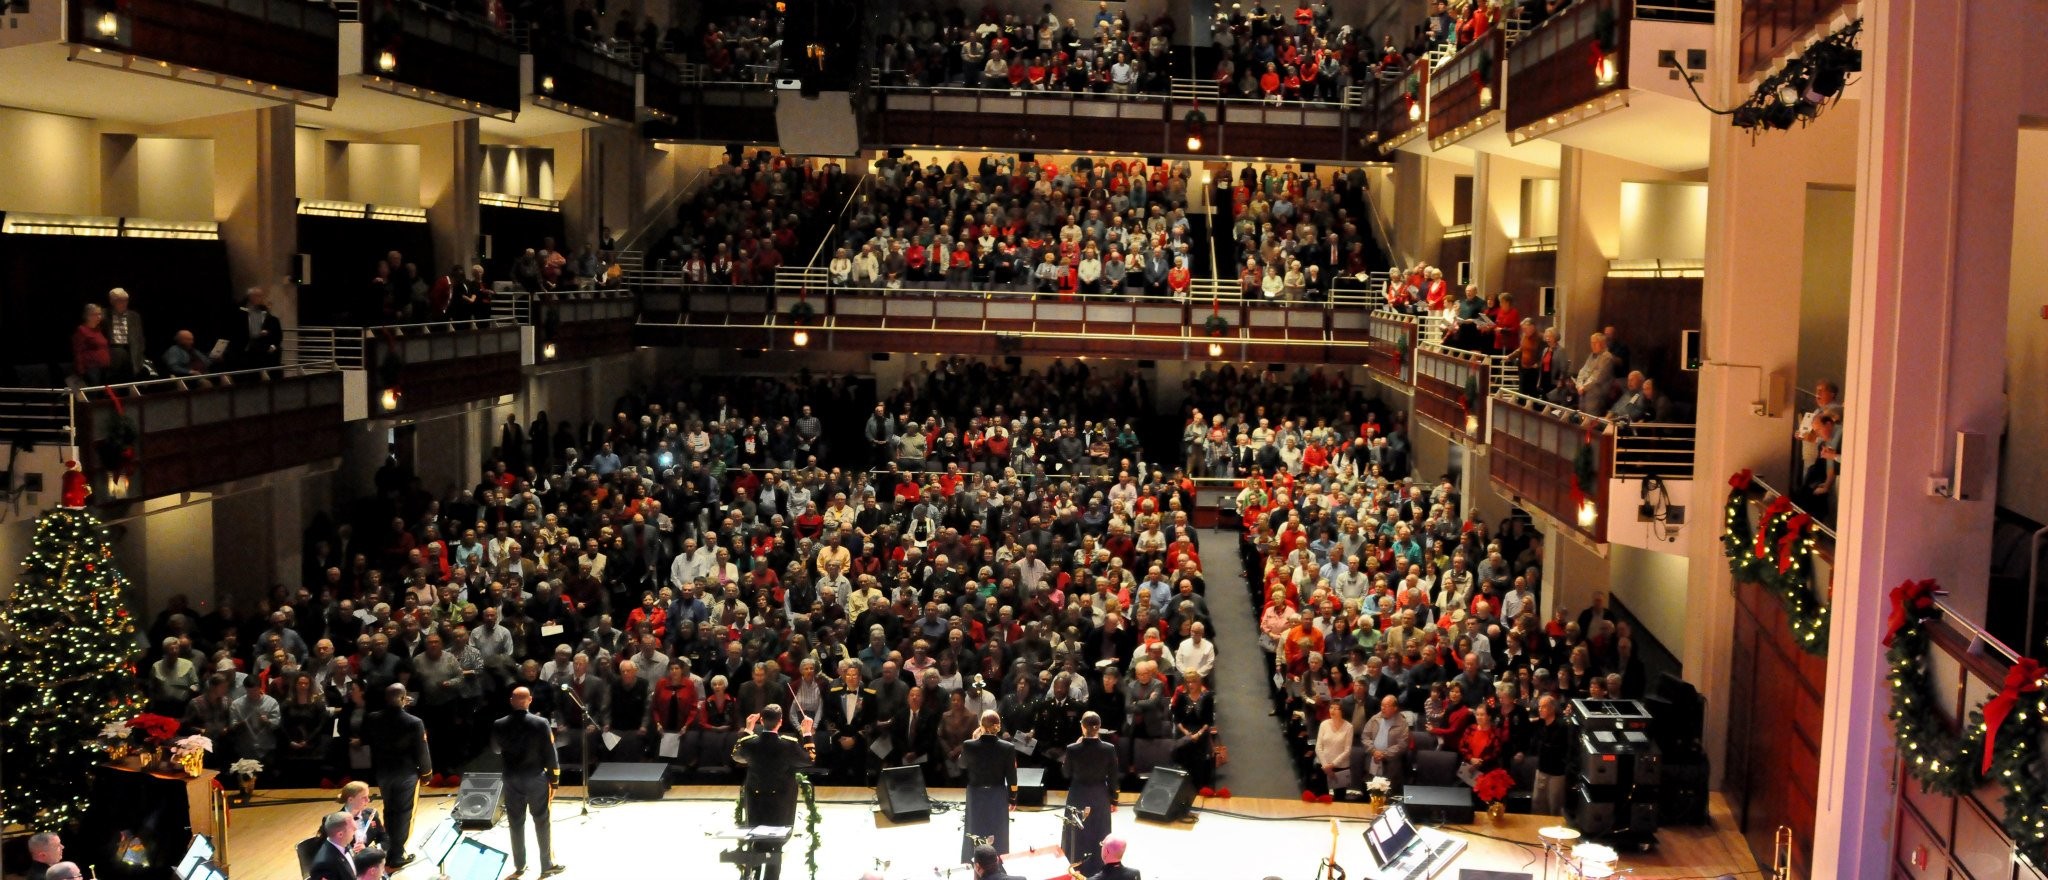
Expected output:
(574, 77)
(1452, 387)
(1465, 93)
(1573, 57)
(570, 324)
(1770, 28)
(163, 436)
(1563, 462)
(469, 59)
(1392, 337)
(1400, 105)
(410, 368)
(279, 48)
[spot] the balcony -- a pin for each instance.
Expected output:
(568, 326)
(1452, 387)
(1152, 125)
(1599, 481)
(693, 107)
(166, 436)
(987, 323)
(457, 60)
(574, 78)
(1465, 93)
(406, 370)
(282, 50)
(1772, 28)
(1597, 75)
(1390, 347)
(1400, 108)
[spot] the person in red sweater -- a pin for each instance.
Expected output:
(90, 356)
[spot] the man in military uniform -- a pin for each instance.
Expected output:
(769, 792)
(527, 744)
(1091, 787)
(991, 782)
(400, 759)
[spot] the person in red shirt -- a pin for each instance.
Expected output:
(1178, 281)
(1269, 82)
(914, 262)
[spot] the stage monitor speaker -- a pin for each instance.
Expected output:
(480, 802)
(1439, 804)
(1027, 157)
(1030, 786)
(1588, 813)
(901, 795)
(1308, 167)
(1682, 798)
(1168, 794)
(631, 780)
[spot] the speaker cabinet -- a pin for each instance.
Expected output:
(1030, 786)
(632, 780)
(480, 802)
(901, 794)
(1168, 794)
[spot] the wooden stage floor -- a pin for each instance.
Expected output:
(1234, 839)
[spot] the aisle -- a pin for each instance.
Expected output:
(1259, 766)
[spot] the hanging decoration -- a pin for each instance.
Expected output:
(1777, 556)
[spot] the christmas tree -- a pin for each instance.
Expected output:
(67, 669)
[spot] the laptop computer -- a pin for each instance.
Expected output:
(1401, 851)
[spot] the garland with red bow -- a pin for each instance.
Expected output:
(1778, 557)
(2000, 741)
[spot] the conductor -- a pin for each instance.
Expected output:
(1091, 788)
(991, 779)
(531, 770)
(769, 792)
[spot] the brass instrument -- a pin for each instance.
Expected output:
(1781, 853)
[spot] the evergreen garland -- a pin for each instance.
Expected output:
(1787, 574)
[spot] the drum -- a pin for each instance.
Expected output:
(1593, 861)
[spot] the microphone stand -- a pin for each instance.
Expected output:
(582, 745)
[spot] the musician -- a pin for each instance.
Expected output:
(988, 865)
(769, 792)
(849, 712)
(991, 767)
(532, 769)
(1113, 862)
(355, 801)
(1091, 787)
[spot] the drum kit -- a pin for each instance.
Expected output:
(1580, 861)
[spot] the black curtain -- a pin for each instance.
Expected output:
(46, 280)
(513, 230)
(345, 252)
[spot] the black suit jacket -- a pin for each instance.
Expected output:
(921, 739)
(1116, 872)
(526, 743)
(838, 723)
(398, 744)
(772, 760)
(989, 762)
(330, 864)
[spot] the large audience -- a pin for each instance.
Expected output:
(751, 217)
(1106, 55)
(1297, 237)
(1094, 226)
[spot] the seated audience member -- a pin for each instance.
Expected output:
(183, 358)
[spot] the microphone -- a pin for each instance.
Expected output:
(563, 685)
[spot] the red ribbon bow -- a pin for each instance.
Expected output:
(1740, 482)
(1778, 507)
(2023, 678)
(1795, 530)
(1908, 599)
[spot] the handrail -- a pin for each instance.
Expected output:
(517, 305)
(826, 240)
(1129, 98)
(1554, 411)
(667, 209)
(789, 279)
(1660, 449)
(1769, 493)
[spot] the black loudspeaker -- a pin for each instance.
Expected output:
(480, 802)
(1027, 157)
(1030, 786)
(1013, 361)
(1439, 804)
(901, 794)
(895, 152)
(631, 780)
(1168, 794)
(737, 152)
(878, 356)
(1308, 167)
(1682, 798)
(1148, 364)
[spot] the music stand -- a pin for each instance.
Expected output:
(760, 846)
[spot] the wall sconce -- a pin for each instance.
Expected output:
(1588, 514)
(547, 352)
(1485, 97)
(1606, 72)
(1194, 142)
(109, 25)
(1215, 349)
(387, 61)
(801, 338)
(389, 399)
(1472, 424)
(1415, 111)
(547, 84)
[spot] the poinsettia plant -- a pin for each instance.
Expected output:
(1493, 786)
(155, 729)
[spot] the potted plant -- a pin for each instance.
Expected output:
(152, 733)
(244, 770)
(190, 753)
(1492, 787)
(1379, 789)
(118, 740)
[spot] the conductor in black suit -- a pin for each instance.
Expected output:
(335, 860)
(531, 769)
(991, 778)
(1091, 787)
(399, 756)
(768, 794)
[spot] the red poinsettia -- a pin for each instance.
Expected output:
(1207, 792)
(1493, 786)
(154, 728)
(1223, 792)
(1308, 797)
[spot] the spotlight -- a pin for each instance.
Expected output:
(108, 24)
(547, 352)
(801, 338)
(1472, 424)
(387, 61)
(1215, 349)
(1827, 83)
(1788, 94)
(389, 399)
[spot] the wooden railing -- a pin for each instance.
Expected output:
(1082, 122)
(1535, 453)
(1467, 88)
(1400, 104)
(1452, 388)
(1392, 341)
(1570, 59)
(191, 433)
(435, 49)
(568, 72)
(1770, 28)
(292, 44)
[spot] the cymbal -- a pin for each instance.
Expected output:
(1558, 834)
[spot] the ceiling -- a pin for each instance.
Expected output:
(94, 91)
(1654, 129)
(365, 109)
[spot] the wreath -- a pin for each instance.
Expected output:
(1400, 351)
(1470, 396)
(2003, 739)
(1216, 325)
(802, 313)
(811, 818)
(1779, 559)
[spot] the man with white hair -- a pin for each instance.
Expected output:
(125, 338)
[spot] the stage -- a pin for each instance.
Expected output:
(1233, 839)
